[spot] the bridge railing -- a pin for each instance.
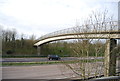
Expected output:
(88, 28)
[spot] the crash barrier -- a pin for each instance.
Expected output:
(111, 78)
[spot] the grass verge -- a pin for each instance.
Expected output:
(49, 62)
(28, 63)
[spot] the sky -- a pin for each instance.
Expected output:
(40, 17)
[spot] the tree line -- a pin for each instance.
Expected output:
(12, 45)
(21, 46)
(73, 48)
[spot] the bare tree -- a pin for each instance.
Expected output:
(89, 55)
(32, 37)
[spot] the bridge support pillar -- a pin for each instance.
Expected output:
(110, 58)
(38, 50)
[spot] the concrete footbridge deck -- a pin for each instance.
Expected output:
(106, 30)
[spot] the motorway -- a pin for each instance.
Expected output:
(51, 71)
(42, 59)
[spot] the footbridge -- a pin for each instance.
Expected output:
(106, 30)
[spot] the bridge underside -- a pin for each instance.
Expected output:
(82, 36)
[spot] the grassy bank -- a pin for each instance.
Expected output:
(48, 62)
(26, 56)
(27, 63)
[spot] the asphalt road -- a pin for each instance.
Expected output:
(41, 59)
(52, 71)
(36, 72)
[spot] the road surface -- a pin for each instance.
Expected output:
(52, 71)
(42, 59)
(36, 72)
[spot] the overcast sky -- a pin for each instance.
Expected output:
(40, 17)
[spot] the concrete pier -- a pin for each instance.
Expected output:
(110, 57)
(38, 50)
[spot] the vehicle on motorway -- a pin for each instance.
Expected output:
(53, 57)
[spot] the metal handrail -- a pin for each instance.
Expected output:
(99, 27)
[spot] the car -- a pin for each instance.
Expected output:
(53, 57)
